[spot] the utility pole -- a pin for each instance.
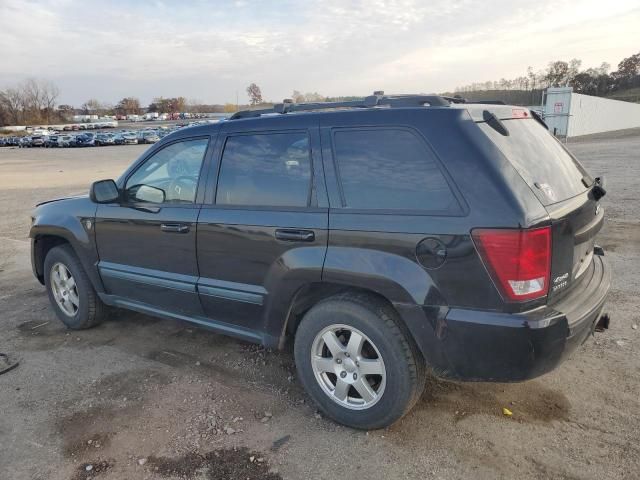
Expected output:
(237, 104)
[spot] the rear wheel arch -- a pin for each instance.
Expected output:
(312, 294)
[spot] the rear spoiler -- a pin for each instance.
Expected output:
(479, 112)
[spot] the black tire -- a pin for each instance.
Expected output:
(91, 311)
(404, 365)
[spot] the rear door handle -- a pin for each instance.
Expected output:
(295, 235)
(174, 227)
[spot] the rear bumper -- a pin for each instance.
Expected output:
(490, 346)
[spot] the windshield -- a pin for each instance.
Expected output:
(540, 159)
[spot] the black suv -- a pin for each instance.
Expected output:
(384, 237)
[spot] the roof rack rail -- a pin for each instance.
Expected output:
(378, 99)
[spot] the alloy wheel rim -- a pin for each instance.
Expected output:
(348, 367)
(65, 290)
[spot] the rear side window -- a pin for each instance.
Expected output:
(551, 172)
(266, 170)
(390, 169)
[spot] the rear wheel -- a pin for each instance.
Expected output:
(74, 299)
(356, 363)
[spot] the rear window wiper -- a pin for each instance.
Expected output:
(597, 188)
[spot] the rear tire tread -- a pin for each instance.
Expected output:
(398, 340)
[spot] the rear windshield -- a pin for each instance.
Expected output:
(551, 172)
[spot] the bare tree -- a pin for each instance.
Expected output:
(255, 95)
(297, 97)
(50, 93)
(91, 107)
(12, 99)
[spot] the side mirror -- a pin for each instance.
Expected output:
(104, 191)
(146, 194)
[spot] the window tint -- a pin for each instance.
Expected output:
(175, 170)
(389, 169)
(267, 169)
(540, 159)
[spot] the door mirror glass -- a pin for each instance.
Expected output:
(146, 194)
(104, 191)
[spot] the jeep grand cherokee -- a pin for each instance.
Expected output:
(384, 237)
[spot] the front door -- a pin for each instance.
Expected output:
(147, 243)
(265, 231)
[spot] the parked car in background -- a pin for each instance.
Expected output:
(38, 140)
(126, 138)
(87, 139)
(25, 142)
(66, 140)
(148, 136)
(103, 139)
(51, 141)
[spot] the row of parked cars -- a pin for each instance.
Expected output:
(84, 126)
(85, 139)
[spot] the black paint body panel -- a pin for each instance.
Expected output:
(229, 272)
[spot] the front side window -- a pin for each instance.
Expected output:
(390, 169)
(170, 175)
(265, 170)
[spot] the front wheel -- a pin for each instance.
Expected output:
(71, 293)
(356, 363)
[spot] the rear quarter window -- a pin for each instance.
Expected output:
(390, 169)
(540, 159)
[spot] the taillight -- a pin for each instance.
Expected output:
(519, 113)
(518, 260)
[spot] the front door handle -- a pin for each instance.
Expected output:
(295, 235)
(174, 227)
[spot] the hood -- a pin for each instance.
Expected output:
(71, 197)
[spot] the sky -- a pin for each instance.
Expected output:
(211, 50)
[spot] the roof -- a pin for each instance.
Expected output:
(378, 99)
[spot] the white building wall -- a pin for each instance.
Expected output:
(596, 114)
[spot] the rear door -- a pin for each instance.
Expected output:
(265, 222)
(563, 186)
(395, 213)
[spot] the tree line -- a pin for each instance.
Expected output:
(34, 101)
(591, 81)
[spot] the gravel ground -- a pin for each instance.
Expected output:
(142, 398)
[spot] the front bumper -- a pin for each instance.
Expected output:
(491, 346)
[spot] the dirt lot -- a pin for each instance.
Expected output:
(144, 398)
